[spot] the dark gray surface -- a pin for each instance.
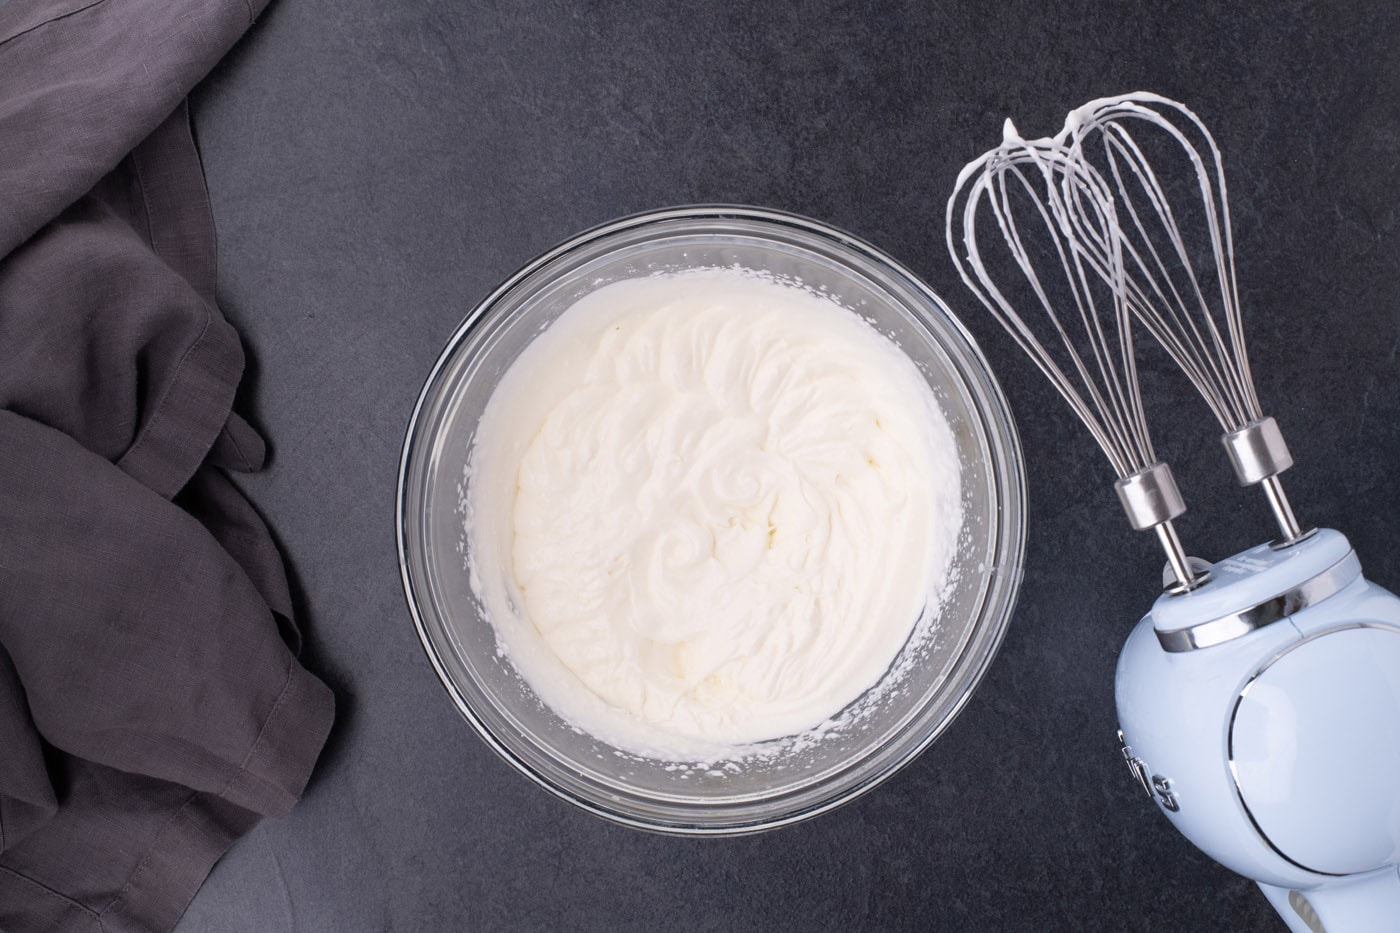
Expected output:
(376, 168)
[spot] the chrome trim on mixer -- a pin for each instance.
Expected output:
(1237, 624)
(1136, 765)
(1166, 792)
(1235, 711)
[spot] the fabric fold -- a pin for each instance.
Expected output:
(104, 339)
(82, 82)
(27, 798)
(152, 707)
(181, 667)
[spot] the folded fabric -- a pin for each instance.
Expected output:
(151, 705)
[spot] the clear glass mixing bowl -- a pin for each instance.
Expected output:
(769, 791)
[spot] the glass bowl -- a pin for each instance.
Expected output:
(938, 673)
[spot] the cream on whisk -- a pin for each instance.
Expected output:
(709, 507)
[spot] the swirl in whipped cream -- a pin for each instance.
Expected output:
(709, 506)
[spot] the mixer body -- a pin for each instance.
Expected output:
(1261, 713)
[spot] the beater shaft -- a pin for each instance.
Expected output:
(1283, 512)
(1151, 499)
(1186, 577)
(1259, 455)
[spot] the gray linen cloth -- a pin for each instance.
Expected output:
(151, 705)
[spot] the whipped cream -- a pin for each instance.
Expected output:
(706, 509)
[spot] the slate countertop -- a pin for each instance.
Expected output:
(377, 168)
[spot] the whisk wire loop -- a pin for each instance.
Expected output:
(1041, 177)
(1168, 296)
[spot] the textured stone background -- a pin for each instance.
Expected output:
(377, 167)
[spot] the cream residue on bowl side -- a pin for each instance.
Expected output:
(707, 509)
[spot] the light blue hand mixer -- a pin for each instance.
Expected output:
(1259, 699)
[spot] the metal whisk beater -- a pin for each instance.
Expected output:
(1037, 193)
(1191, 308)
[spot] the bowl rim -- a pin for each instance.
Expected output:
(1009, 484)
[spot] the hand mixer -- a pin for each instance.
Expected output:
(1259, 699)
